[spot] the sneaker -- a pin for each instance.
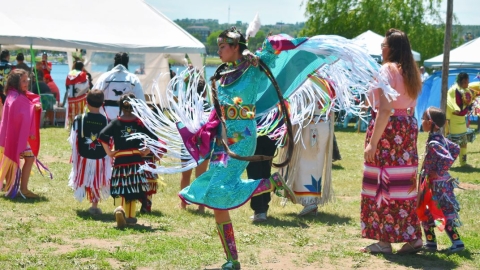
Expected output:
(94, 211)
(309, 209)
(120, 217)
(131, 221)
(261, 217)
(231, 265)
(456, 248)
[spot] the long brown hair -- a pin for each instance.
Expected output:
(400, 52)
(14, 78)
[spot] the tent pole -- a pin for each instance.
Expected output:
(446, 56)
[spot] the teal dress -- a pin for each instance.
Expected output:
(221, 187)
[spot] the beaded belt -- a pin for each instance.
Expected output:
(238, 112)
(123, 153)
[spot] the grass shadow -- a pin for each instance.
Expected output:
(20, 199)
(277, 222)
(426, 260)
(103, 217)
(196, 212)
(139, 228)
(337, 167)
(327, 218)
(465, 169)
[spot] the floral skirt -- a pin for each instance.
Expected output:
(389, 191)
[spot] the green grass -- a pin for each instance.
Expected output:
(56, 231)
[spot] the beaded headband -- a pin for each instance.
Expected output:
(233, 37)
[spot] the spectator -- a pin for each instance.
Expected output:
(423, 74)
(44, 89)
(21, 64)
(5, 68)
(53, 87)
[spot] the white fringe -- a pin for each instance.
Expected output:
(187, 107)
(90, 172)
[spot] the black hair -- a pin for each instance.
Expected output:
(124, 101)
(242, 42)
(20, 57)
(78, 65)
(436, 115)
(121, 58)
(5, 53)
(461, 76)
(95, 98)
(201, 86)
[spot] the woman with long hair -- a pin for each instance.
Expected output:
(389, 192)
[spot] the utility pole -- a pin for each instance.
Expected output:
(447, 43)
(228, 20)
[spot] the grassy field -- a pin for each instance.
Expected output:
(56, 232)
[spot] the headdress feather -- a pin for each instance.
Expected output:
(253, 27)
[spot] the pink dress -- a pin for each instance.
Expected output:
(389, 192)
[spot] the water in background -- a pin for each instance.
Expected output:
(59, 74)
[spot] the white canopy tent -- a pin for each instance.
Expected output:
(371, 41)
(131, 26)
(465, 56)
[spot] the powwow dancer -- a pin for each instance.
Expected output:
(92, 167)
(128, 182)
(248, 89)
(309, 174)
(459, 104)
(437, 206)
(19, 135)
(77, 87)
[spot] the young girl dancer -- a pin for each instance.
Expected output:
(128, 183)
(437, 185)
(19, 135)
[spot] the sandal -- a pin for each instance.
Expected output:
(28, 194)
(409, 248)
(376, 248)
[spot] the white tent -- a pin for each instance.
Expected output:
(131, 26)
(371, 41)
(465, 56)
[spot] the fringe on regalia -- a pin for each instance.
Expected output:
(89, 177)
(76, 106)
(340, 73)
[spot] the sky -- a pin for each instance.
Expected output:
(271, 12)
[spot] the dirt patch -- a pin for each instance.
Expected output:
(468, 186)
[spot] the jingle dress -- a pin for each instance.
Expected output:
(389, 192)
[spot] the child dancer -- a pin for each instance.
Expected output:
(92, 169)
(128, 182)
(19, 135)
(437, 184)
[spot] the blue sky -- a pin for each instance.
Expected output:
(271, 12)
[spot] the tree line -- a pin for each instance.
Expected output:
(420, 19)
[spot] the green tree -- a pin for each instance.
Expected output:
(420, 19)
(212, 42)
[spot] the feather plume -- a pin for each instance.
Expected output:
(253, 27)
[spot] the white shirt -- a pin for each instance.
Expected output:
(114, 84)
(424, 76)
